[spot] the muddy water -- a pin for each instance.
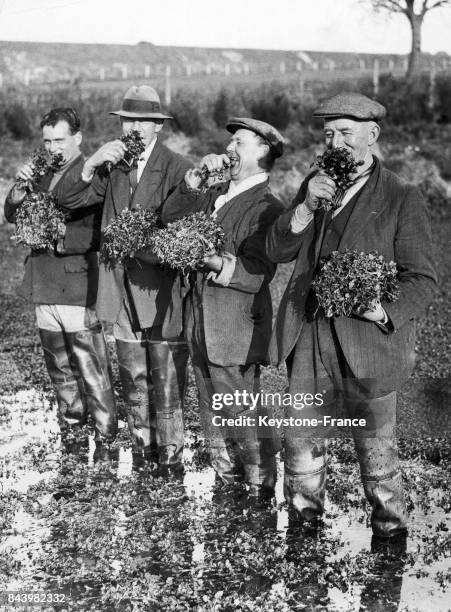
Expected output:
(190, 534)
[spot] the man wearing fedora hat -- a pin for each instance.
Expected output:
(358, 362)
(139, 298)
(229, 313)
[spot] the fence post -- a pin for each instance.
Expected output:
(432, 84)
(282, 67)
(147, 71)
(301, 87)
(376, 77)
(167, 88)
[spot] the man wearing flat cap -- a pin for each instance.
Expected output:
(228, 313)
(358, 362)
(136, 298)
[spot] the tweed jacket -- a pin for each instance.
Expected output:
(390, 217)
(235, 313)
(67, 275)
(153, 287)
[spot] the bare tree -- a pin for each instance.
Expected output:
(415, 11)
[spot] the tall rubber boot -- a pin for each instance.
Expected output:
(137, 389)
(71, 408)
(377, 452)
(168, 364)
(382, 483)
(305, 475)
(90, 355)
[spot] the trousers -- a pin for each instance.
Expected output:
(153, 374)
(78, 364)
(318, 366)
(236, 452)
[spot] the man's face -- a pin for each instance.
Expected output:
(147, 128)
(355, 136)
(59, 139)
(244, 150)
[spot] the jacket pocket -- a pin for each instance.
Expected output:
(255, 316)
(74, 267)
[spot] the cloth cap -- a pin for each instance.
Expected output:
(269, 133)
(141, 102)
(353, 105)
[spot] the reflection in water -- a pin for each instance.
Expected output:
(382, 589)
(85, 518)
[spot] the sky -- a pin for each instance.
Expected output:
(317, 25)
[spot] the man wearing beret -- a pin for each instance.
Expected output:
(359, 362)
(228, 313)
(136, 298)
(62, 283)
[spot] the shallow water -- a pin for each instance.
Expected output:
(188, 540)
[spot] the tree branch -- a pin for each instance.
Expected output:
(393, 6)
(435, 4)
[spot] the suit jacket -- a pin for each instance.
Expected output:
(391, 218)
(153, 288)
(236, 319)
(69, 275)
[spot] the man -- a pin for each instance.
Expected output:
(137, 298)
(228, 313)
(361, 360)
(62, 283)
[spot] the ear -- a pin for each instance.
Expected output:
(373, 133)
(265, 148)
(158, 126)
(78, 138)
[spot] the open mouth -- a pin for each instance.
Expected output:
(233, 161)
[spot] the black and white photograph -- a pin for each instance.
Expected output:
(225, 347)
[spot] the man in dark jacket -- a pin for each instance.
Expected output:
(62, 283)
(136, 298)
(363, 359)
(229, 313)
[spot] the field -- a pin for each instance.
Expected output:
(91, 534)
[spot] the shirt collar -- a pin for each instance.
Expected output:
(144, 157)
(237, 188)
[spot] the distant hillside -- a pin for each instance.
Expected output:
(39, 63)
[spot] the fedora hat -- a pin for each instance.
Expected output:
(141, 102)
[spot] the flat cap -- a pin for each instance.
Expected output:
(352, 105)
(269, 133)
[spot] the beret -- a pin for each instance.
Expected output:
(354, 105)
(269, 133)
